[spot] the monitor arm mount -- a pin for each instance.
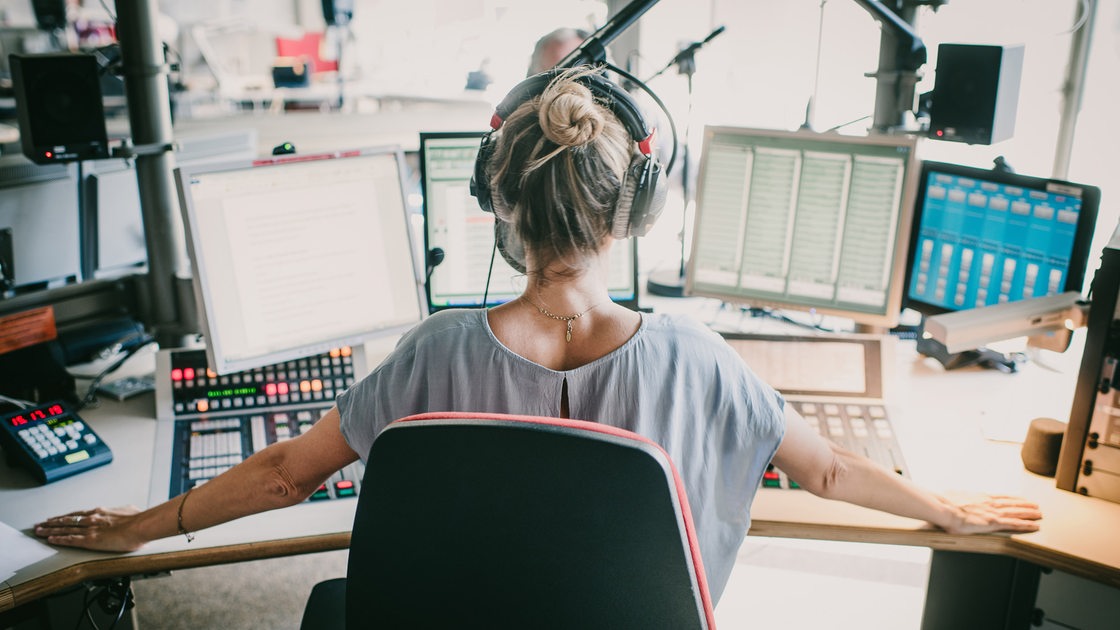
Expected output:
(901, 54)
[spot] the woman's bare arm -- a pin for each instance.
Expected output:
(829, 471)
(283, 474)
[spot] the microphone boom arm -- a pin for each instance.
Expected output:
(593, 50)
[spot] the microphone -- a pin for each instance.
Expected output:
(685, 58)
(687, 52)
(435, 257)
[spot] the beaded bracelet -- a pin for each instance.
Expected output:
(183, 530)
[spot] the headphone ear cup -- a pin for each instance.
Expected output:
(480, 181)
(654, 193)
(510, 247)
(640, 199)
(628, 195)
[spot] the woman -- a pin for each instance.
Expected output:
(554, 172)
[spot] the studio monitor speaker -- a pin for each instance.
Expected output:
(58, 103)
(338, 12)
(50, 15)
(975, 93)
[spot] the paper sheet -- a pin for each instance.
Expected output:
(20, 550)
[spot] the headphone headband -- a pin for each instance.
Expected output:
(605, 92)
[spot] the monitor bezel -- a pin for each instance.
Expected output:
(200, 274)
(630, 302)
(1079, 255)
(896, 287)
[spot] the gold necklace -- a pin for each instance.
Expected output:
(563, 318)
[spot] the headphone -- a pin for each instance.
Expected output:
(642, 196)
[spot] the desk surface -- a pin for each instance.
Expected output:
(941, 419)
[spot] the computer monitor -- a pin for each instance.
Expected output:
(296, 255)
(803, 220)
(39, 230)
(984, 237)
(455, 224)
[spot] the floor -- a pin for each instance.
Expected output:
(777, 583)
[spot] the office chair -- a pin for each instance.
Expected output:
(498, 521)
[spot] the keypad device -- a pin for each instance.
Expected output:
(52, 442)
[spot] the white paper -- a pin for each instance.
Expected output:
(20, 550)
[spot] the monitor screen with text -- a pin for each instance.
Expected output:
(296, 255)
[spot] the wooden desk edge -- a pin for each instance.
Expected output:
(999, 544)
(115, 566)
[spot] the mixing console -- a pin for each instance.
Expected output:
(219, 420)
(860, 428)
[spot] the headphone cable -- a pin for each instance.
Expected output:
(656, 99)
(490, 269)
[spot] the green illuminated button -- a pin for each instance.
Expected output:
(77, 456)
(320, 494)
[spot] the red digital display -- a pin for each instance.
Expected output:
(35, 415)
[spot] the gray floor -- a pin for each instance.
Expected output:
(776, 584)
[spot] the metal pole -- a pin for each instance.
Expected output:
(149, 113)
(1073, 88)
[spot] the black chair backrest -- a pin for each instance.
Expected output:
(494, 521)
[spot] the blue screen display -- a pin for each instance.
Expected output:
(981, 242)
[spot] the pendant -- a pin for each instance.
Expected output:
(568, 336)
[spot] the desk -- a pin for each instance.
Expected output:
(939, 417)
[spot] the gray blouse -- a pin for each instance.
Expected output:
(675, 382)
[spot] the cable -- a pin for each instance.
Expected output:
(112, 16)
(756, 311)
(88, 601)
(91, 393)
(18, 402)
(656, 99)
(490, 269)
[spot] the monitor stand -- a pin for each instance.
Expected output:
(982, 357)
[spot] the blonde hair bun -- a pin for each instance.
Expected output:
(568, 114)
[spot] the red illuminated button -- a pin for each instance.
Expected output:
(320, 494)
(188, 373)
(270, 389)
(344, 488)
(176, 374)
(282, 389)
(771, 480)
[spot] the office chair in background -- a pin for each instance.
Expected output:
(499, 521)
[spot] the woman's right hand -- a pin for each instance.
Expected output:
(995, 513)
(100, 529)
